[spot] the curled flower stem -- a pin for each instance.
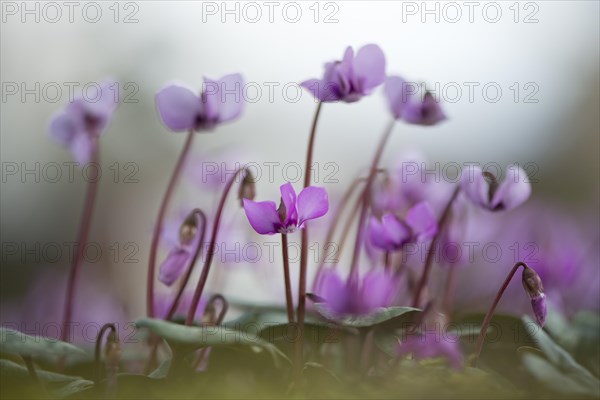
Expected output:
(365, 200)
(159, 223)
(304, 253)
(334, 223)
(221, 317)
(488, 317)
(286, 275)
(200, 214)
(97, 349)
(430, 254)
(211, 249)
(84, 230)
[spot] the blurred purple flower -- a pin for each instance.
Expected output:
(432, 345)
(187, 243)
(83, 120)
(484, 190)
(181, 109)
(376, 289)
(409, 105)
(293, 212)
(351, 78)
(391, 233)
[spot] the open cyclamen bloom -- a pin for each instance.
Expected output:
(293, 211)
(392, 233)
(176, 260)
(483, 189)
(376, 289)
(351, 78)
(432, 345)
(84, 120)
(181, 109)
(410, 105)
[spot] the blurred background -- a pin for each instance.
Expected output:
(519, 82)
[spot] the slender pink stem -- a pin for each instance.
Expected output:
(84, 231)
(304, 253)
(190, 268)
(365, 200)
(211, 250)
(490, 313)
(286, 276)
(430, 254)
(334, 223)
(159, 222)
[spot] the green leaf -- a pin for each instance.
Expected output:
(162, 370)
(58, 384)
(379, 316)
(12, 341)
(559, 362)
(211, 336)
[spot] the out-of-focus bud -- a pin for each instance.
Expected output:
(188, 229)
(112, 352)
(535, 289)
(247, 187)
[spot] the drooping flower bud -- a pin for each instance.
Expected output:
(188, 229)
(535, 289)
(247, 187)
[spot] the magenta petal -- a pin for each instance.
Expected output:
(334, 290)
(378, 235)
(173, 266)
(395, 94)
(322, 90)
(62, 128)
(369, 68)
(513, 191)
(178, 107)
(312, 203)
(288, 195)
(82, 147)
(538, 304)
(377, 290)
(422, 221)
(231, 97)
(262, 216)
(474, 185)
(397, 232)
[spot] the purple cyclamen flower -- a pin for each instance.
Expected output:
(83, 120)
(181, 109)
(410, 105)
(391, 233)
(483, 189)
(351, 78)
(293, 211)
(432, 345)
(376, 289)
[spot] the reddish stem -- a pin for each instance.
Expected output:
(159, 223)
(430, 254)
(98, 347)
(365, 200)
(190, 268)
(84, 231)
(286, 275)
(490, 313)
(304, 252)
(211, 249)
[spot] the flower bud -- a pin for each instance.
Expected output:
(188, 229)
(247, 187)
(534, 288)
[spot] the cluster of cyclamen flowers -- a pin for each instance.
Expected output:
(384, 227)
